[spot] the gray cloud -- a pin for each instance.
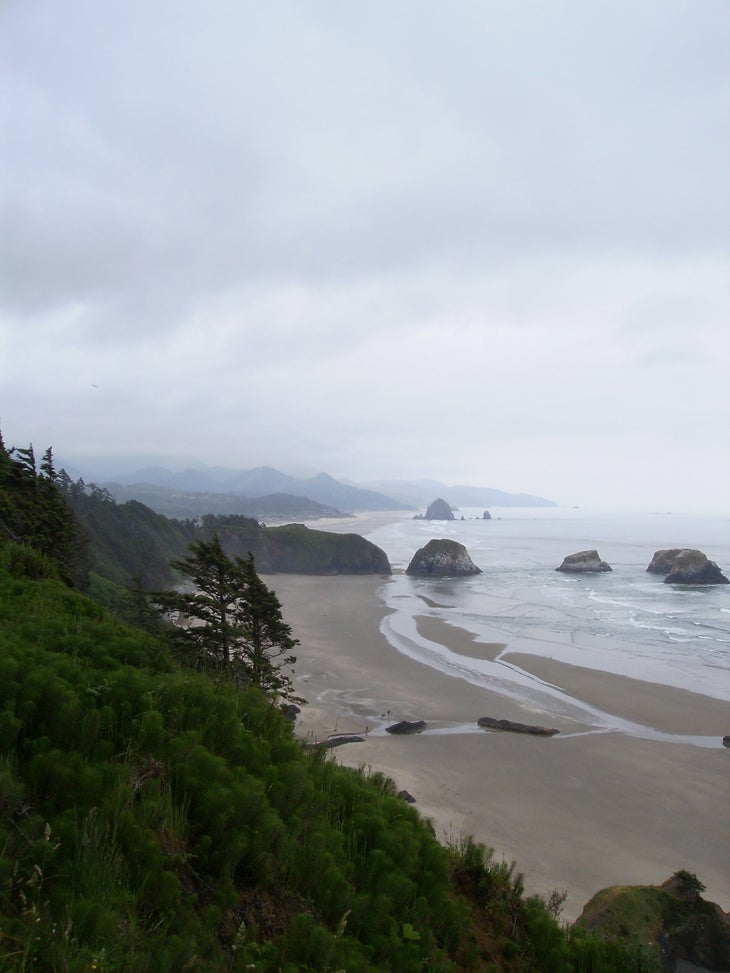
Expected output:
(470, 242)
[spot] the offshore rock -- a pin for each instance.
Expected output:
(584, 562)
(405, 727)
(439, 510)
(442, 559)
(490, 723)
(694, 567)
(486, 515)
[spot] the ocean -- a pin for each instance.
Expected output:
(626, 621)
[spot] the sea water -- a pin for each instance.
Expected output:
(625, 621)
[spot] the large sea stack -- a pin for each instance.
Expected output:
(438, 510)
(584, 562)
(442, 559)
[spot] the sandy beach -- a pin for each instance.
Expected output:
(578, 811)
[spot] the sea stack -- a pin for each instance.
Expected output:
(442, 559)
(584, 562)
(439, 510)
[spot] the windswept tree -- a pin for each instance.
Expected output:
(231, 622)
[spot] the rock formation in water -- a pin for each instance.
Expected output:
(442, 559)
(439, 510)
(486, 515)
(686, 565)
(584, 562)
(694, 567)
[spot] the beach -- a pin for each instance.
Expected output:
(578, 811)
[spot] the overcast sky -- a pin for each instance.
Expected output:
(480, 241)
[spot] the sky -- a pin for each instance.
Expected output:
(481, 242)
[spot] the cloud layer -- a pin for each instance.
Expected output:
(485, 243)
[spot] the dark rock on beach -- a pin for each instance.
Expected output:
(442, 559)
(405, 727)
(405, 796)
(486, 515)
(686, 566)
(587, 562)
(490, 723)
(439, 510)
(341, 738)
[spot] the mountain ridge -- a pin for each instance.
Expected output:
(346, 496)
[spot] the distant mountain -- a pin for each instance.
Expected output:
(226, 488)
(191, 477)
(420, 493)
(183, 504)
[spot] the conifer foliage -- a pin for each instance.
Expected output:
(231, 622)
(34, 515)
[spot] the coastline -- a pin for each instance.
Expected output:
(578, 811)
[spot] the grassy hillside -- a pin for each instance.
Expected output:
(155, 819)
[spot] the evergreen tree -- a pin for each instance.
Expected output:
(33, 511)
(269, 641)
(231, 622)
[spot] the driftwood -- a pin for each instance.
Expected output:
(489, 723)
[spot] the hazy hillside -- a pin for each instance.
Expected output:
(419, 493)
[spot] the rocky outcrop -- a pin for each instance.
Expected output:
(405, 727)
(439, 510)
(694, 567)
(584, 562)
(686, 565)
(680, 930)
(442, 559)
(489, 723)
(486, 515)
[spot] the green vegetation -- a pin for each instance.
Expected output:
(155, 818)
(32, 511)
(672, 917)
(127, 541)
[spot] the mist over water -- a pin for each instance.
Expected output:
(626, 622)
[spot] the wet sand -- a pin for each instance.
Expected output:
(578, 811)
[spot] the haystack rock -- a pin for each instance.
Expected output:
(486, 515)
(584, 562)
(694, 567)
(442, 559)
(439, 510)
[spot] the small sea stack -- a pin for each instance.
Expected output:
(584, 562)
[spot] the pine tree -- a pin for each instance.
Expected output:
(269, 641)
(231, 622)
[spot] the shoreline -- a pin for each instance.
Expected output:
(579, 811)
